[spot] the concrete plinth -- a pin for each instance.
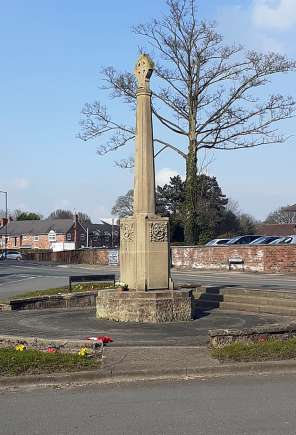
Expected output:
(155, 306)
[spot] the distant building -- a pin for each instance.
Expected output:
(276, 229)
(102, 235)
(45, 234)
(291, 208)
(41, 234)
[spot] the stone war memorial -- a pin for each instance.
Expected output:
(144, 237)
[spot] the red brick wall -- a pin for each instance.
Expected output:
(256, 258)
(28, 241)
(91, 256)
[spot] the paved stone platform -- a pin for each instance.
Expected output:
(81, 323)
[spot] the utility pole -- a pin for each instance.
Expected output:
(6, 220)
(112, 234)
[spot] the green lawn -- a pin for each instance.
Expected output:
(75, 288)
(31, 361)
(259, 351)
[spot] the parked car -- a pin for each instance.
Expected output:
(216, 242)
(287, 240)
(11, 255)
(265, 240)
(242, 240)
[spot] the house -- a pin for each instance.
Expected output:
(41, 234)
(102, 235)
(276, 229)
(3, 222)
(55, 233)
(291, 208)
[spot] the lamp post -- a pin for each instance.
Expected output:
(6, 219)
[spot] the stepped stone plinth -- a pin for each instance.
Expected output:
(144, 237)
(144, 306)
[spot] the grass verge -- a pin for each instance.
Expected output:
(259, 351)
(62, 290)
(13, 363)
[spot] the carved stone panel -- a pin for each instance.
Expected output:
(158, 232)
(127, 232)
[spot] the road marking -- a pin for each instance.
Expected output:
(15, 282)
(32, 267)
(7, 283)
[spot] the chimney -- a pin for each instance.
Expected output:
(3, 222)
(75, 228)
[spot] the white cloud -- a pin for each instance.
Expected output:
(20, 183)
(274, 14)
(163, 176)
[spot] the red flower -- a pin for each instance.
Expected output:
(101, 339)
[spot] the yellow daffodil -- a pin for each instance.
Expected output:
(84, 351)
(20, 347)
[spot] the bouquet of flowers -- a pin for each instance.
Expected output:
(120, 285)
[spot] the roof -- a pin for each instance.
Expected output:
(104, 226)
(276, 229)
(37, 227)
(290, 208)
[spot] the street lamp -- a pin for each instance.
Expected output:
(6, 220)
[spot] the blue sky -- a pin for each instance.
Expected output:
(51, 55)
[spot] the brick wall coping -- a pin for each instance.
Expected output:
(283, 327)
(57, 296)
(233, 246)
(67, 300)
(223, 337)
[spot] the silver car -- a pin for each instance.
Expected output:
(287, 240)
(11, 255)
(216, 242)
(264, 240)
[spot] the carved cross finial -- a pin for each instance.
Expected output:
(143, 70)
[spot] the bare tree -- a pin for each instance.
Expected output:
(61, 214)
(123, 206)
(205, 92)
(67, 214)
(233, 206)
(281, 216)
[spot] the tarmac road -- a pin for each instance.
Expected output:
(17, 277)
(22, 276)
(242, 405)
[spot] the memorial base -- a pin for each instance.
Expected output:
(155, 306)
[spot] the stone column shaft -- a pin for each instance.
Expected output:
(144, 188)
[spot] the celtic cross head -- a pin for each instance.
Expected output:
(143, 70)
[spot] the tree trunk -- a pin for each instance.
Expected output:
(191, 224)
